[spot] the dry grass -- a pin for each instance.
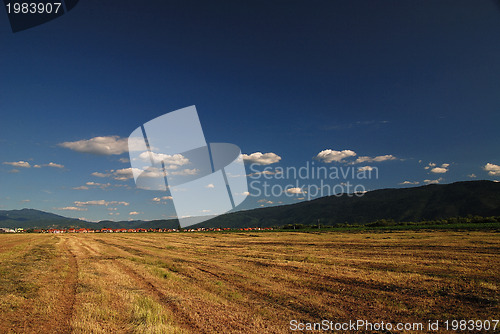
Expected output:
(242, 282)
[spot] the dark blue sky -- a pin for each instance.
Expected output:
(409, 80)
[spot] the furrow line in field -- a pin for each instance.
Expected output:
(180, 317)
(68, 291)
(263, 295)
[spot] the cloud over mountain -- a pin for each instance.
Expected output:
(492, 169)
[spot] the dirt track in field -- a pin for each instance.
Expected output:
(90, 249)
(39, 285)
(68, 291)
(242, 282)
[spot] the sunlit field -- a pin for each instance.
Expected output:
(252, 282)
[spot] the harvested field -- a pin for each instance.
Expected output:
(242, 282)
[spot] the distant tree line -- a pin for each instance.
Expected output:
(468, 220)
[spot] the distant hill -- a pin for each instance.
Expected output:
(28, 218)
(31, 218)
(430, 202)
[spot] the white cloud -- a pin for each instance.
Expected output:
(329, 156)
(433, 181)
(120, 185)
(363, 159)
(54, 165)
(106, 145)
(122, 174)
(25, 164)
(100, 202)
(430, 165)
(170, 161)
(25, 201)
(365, 168)
(262, 158)
(439, 170)
(134, 213)
(72, 208)
(265, 201)
(210, 186)
(159, 199)
(93, 184)
(492, 169)
(472, 176)
(184, 172)
(339, 156)
(124, 160)
(434, 168)
(267, 172)
(379, 158)
(22, 164)
(98, 174)
(410, 182)
(295, 191)
(128, 173)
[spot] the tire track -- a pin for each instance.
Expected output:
(263, 296)
(39, 318)
(286, 302)
(68, 291)
(180, 317)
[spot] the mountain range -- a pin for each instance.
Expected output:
(429, 202)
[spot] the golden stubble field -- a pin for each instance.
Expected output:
(242, 282)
